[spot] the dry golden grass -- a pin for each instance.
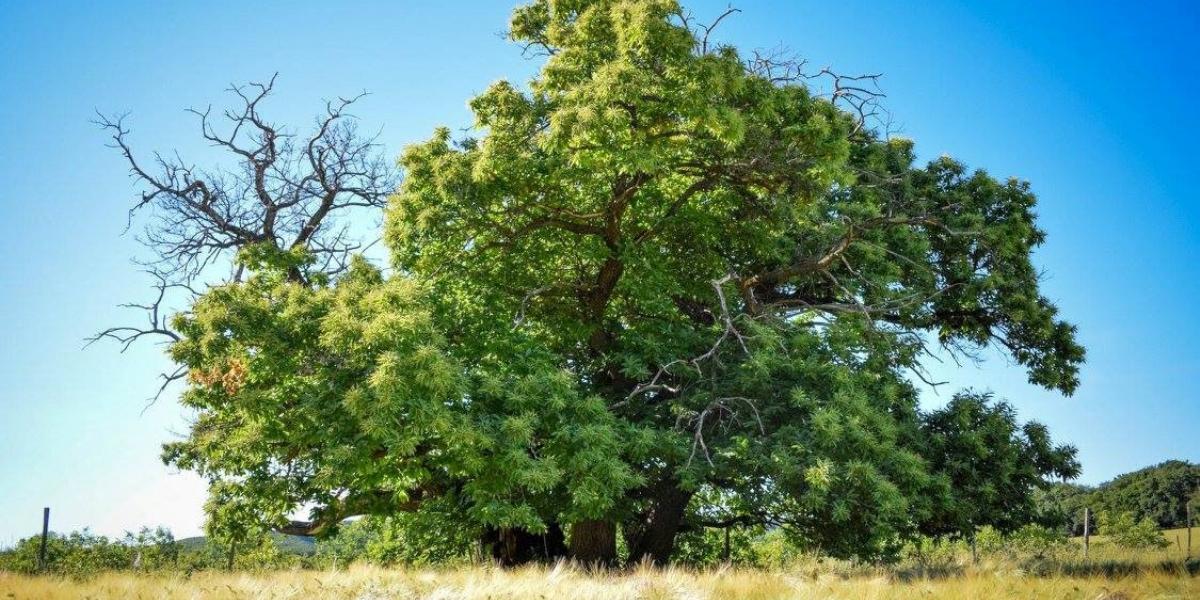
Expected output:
(566, 582)
(1178, 539)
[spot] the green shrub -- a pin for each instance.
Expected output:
(415, 538)
(773, 549)
(83, 553)
(989, 540)
(1127, 531)
(1037, 541)
(934, 553)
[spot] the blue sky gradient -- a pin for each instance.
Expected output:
(1090, 101)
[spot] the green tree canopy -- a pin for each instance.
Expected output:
(661, 275)
(990, 464)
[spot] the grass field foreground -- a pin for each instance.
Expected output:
(988, 580)
(1110, 573)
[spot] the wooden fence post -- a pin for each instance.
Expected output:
(1087, 530)
(1189, 526)
(45, 534)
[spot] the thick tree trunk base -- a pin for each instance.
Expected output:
(594, 542)
(652, 536)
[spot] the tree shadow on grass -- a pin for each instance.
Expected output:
(1125, 568)
(1109, 569)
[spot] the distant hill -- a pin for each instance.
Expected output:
(1160, 493)
(288, 544)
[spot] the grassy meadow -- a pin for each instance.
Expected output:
(1110, 573)
(565, 581)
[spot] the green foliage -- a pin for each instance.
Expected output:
(1159, 493)
(408, 539)
(940, 554)
(1127, 531)
(352, 387)
(747, 545)
(82, 553)
(1038, 541)
(1060, 505)
(655, 273)
(1031, 544)
(773, 549)
(988, 465)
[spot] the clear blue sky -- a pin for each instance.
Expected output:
(1091, 101)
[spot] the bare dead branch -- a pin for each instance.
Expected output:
(859, 95)
(655, 384)
(702, 31)
(156, 325)
(282, 189)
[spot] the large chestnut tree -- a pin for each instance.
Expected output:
(664, 285)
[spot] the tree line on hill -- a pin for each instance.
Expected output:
(1160, 494)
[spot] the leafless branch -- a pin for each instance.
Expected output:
(156, 325)
(703, 31)
(519, 319)
(655, 384)
(718, 409)
(860, 95)
(280, 189)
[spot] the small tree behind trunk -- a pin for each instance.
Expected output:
(514, 546)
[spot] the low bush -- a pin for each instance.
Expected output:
(83, 552)
(1127, 531)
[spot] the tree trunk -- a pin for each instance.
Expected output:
(594, 542)
(652, 535)
(513, 546)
